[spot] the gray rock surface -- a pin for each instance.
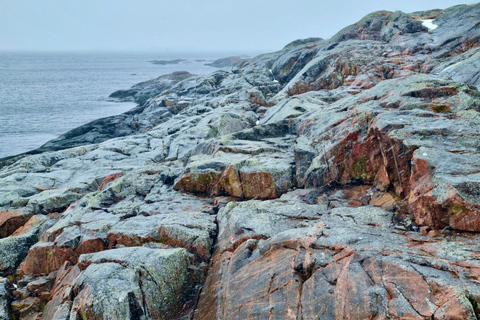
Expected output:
(127, 283)
(336, 178)
(226, 62)
(14, 249)
(5, 299)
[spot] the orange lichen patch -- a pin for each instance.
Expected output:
(464, 47)
(109, 178)
(90, 245)
(260, 185)
(355, 194)
(346, 252)
(45, 258)
(448, 301)
(410, 284)
(360, 82)
(472, 271)
(115, 239)
(382, 179)
(386, 200)
(358, 158)
(229, 183)
(198, 183)
(463, 216)
(453, 210)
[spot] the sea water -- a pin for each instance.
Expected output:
(43, 95)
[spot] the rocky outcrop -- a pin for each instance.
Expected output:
(128, 283)
(226, 62)
(306, 261)
(332, 179)
(143, 91)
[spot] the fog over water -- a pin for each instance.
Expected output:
(43, 95)
(184, 25)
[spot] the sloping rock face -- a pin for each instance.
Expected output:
(333, 179)
(308, 261)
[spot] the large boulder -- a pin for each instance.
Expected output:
(128, 283)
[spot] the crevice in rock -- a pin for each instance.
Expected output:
(214, 237)
(234, 246)
(475, 304)
(134, 307)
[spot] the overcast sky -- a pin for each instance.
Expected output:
(182, 25)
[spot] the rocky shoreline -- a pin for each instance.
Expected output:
(332, 179)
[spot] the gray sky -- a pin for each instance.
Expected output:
(182, 25)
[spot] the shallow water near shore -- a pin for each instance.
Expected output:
(43, 95)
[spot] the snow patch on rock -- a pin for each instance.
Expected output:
(429, 24)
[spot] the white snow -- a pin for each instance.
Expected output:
(429, 24)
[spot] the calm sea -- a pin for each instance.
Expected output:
(43, 95)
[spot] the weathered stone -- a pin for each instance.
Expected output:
(109, 178)
(42, 258)
(326, 277)
(11, 221)
(259, 185)
(198, 183)
(190, 231)
(15, 248)
(229, 183)
(128, 283)
(375, 130)
(5, 299)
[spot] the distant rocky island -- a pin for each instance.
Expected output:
(333, 179)
(226, 62)
(166, 62)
